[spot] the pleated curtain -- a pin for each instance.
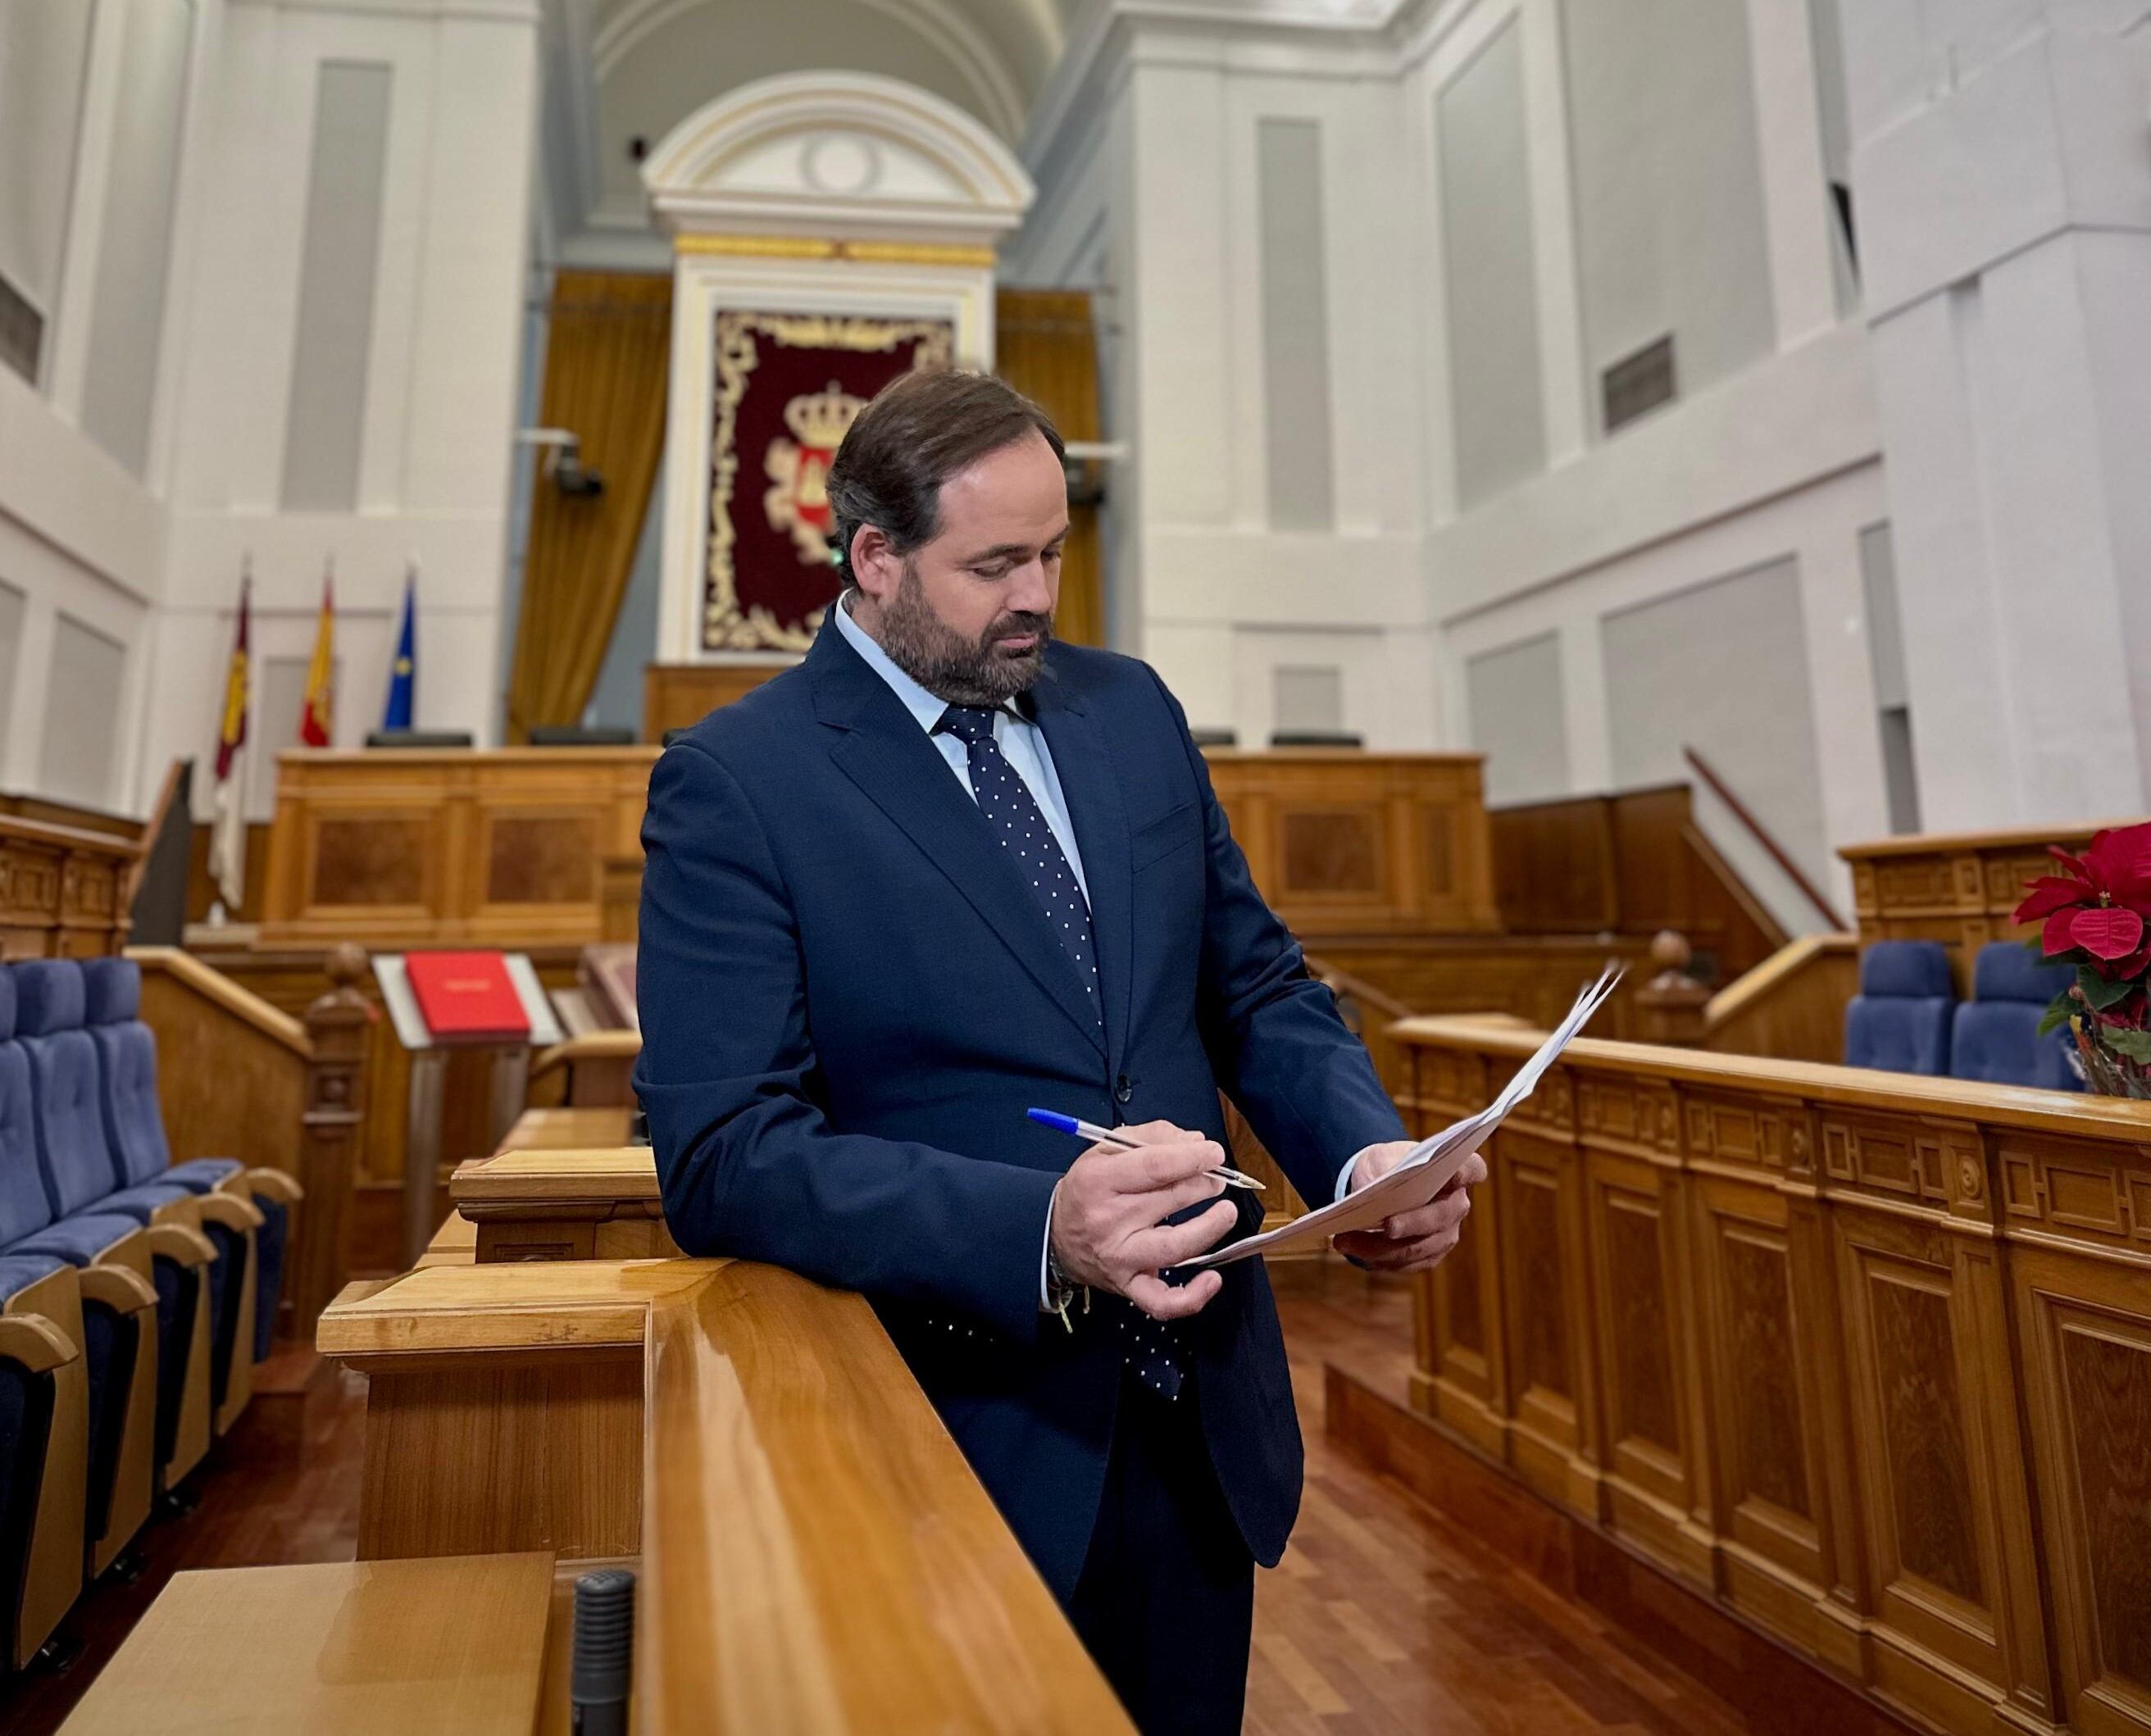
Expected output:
(607, 356)
(1045, 345)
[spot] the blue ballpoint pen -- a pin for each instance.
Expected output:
(1106, 1136)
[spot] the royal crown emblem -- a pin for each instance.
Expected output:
(797, 499)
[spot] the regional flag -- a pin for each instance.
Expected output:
(315, 718)
(403, 673)
(227, 838)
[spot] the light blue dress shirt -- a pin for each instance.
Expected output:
(1022, 742)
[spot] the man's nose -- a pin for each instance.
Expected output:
(1028, 591)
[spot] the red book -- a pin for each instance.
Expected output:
(467, 997)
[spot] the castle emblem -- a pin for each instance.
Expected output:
(797, 499)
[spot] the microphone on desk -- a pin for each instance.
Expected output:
(605, 1646)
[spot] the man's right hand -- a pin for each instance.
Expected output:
(1109, 1212)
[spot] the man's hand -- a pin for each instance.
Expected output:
(1108, 1218)
(1411, 1241)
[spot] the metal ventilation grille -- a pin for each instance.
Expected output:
(1639, 384)
(22, 333)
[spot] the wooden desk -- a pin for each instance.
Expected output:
(456, 1644)
(416, 848)
(1958, 887)
(816, 1553)
(1863, 1357)
(515, 846)
(63, 890)
(556, 1130)
(555, 1204)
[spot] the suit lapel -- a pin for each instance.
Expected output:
(1101, 822)
(880, 746)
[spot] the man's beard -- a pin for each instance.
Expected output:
(963, 671)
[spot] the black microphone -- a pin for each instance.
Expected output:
(604, 1648)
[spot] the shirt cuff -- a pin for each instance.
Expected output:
(1044, 1249)
(1344, 1176)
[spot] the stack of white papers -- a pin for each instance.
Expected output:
(1432, 1164)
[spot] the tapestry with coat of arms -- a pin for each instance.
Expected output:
(788, 386)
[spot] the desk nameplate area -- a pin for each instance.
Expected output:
(815, 1554)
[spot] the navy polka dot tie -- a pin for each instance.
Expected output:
(1151, 1349)
(1018, 821)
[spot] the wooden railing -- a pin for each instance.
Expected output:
(1627, 864)
(1765, 838)
(814, 1552)
(1863, 1357)
(236, 1078)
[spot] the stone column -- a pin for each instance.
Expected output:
(2002, 182)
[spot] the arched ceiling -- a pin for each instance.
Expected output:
(623, 70)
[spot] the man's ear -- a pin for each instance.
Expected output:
(876, 566)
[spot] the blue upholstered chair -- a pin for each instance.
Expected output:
(1899, 1020)
(1996, 1035)
(141, 1155)
(81, 1172)
(105, 1308)
(45, 1451)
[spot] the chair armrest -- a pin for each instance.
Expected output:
(284, 1189)
(116, 1288)
(179, 1242)
(33, 1343)
(230, 1211)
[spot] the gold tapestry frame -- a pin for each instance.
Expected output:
(726, 627)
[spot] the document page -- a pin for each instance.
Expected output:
(1433, 1163)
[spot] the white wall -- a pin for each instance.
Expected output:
(142, 471)
(1477, 510)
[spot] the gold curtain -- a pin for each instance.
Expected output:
(1046, 346)
(608, 351)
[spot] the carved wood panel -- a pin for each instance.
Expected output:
(1919, 1428)
(1540, 1353)
(2085, 1337)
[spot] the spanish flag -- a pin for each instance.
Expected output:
(315, 722)
(227, 838)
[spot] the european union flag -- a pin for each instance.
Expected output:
(403, 673)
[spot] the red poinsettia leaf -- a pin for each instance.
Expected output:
(2048, 893)
(2106, 931)
(2135, 963)
(2120, 856)
(2055, 937)
(2074, 864)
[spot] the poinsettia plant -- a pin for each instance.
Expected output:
(2097, 916)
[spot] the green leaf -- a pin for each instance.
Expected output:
(2057, 1014)
(2099, 992)
(2136, 1044)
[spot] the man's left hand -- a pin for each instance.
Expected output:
(1411, 1241)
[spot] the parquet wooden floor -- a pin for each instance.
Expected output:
(1384, 1616)
(281, 1487)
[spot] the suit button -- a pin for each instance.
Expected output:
(1122, 1090)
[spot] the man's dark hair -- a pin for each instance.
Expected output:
(919, 431)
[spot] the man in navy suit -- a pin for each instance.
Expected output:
(944, 870)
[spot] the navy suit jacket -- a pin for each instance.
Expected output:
(849, 997)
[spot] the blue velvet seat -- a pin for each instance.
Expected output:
(1900, 1020)
(78, 1172)
(127, 1071)
(51, 1204)
(1995, 1036)
(116, 1339)
(141, 1156)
